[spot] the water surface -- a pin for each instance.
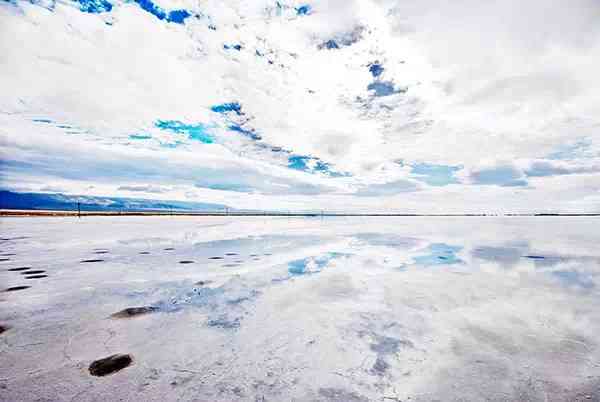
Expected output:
(305, 309)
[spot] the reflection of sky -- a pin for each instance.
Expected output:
(574, 278)
(564, 268)
(227, 303)
(507, 256)
(306, 296)
(311, 265)
(439, 254)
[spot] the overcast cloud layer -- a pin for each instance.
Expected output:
(343, 105)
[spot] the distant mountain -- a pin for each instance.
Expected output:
(63, 202)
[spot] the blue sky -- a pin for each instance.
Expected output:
(421, 106)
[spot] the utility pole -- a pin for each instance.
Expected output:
(78, 209)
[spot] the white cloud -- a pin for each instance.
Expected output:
(508, 82)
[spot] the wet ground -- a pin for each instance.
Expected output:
(300, 309)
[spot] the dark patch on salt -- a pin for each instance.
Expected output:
(215, 258)
(169, 249)
(144, 252)
(224, 323)
(14, 238)
(33, 272)
(186, 262)
(36, 276)
(380, 366)
(134, 311)
(92, 260)
(15, 288)
(341, 395)
(18, 269)
(110, 364)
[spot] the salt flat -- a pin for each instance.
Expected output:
(303, 309)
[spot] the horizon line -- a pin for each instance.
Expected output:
(50, 213)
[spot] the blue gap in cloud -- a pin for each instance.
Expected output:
(225, 108)
(439, 254)
(236, 46)
(235, 107)
(304, 163)
(342, 40)
(312, 164)
(171, 145)
(95, 6)
(175, 16)
(376, 69)
(505, 176)
(435, 175)
(304, 9)
(330, 44)
(248, 133)
(384, 88)
(140, 136)
(197, 132)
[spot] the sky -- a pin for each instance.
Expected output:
(342, 105)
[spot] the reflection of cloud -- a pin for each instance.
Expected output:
(439, 254)
(575, 278)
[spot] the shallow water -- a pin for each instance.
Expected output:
(305, 309)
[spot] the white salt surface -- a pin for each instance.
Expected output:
(309, 309)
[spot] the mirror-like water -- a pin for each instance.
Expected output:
(306, 309)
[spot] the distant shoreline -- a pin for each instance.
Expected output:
(51, 213)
